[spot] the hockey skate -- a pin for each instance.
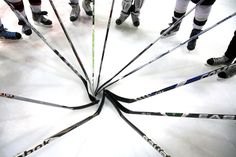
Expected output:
(135, 18)
(219, 61)
(228, 73)
(87, 8)
(122, 18)
(74, 14)
(173, 30)
(192, 44)
(39, 19)
(4, 34)
(25, 28)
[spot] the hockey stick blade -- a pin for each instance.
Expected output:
(153, 144)
(173, 114)
(11, 96)
(61, 133)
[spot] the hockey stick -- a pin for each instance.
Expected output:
(171, 50)
(153, 144)
(105, 43)
(11, 96)
(185, 82)
(61, 133)
(18, 14)
(150, 45)
(174, 114)
(93, 43)
(70, 42)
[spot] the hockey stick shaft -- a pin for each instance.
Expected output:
(69, 40)
(105, 43)
(153, 144)
(171, 50)
(61, 133)
(11, 96)
(150, 45)
(93, 45)
(92, 98)
(185, 82)
(175, 114)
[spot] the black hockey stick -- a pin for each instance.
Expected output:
(185, 82)
(70, 42)
(169, 51)
(61, 133)
(153, 144)
(150, 45)
(11, 96)
(105, 43)
(18, 14)
(176, 114)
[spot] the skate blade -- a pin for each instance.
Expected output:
(208, 65)
(168, 35)
(222, 79)
(221, 65)
(42, 25)
(6, 39)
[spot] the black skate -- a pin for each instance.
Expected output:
(124, 15)
(41, 20)
(219, 61)
(135, 18)
(172, 31)
(87, 8)
(122, 18)
(192, 44)
(25, 28)
(4, 34)
(228, 73)
(74, 14)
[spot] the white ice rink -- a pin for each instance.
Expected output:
(29, 68)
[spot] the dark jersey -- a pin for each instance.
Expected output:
(206, 2)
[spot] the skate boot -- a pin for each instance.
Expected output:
(4, 34)
(219, 61)
(171, 31)
(25, 28)
(135, 18)
(74, 14)
(122, 18)
(87, 8)
(192, 44)
(228, 73)
(40, 19)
